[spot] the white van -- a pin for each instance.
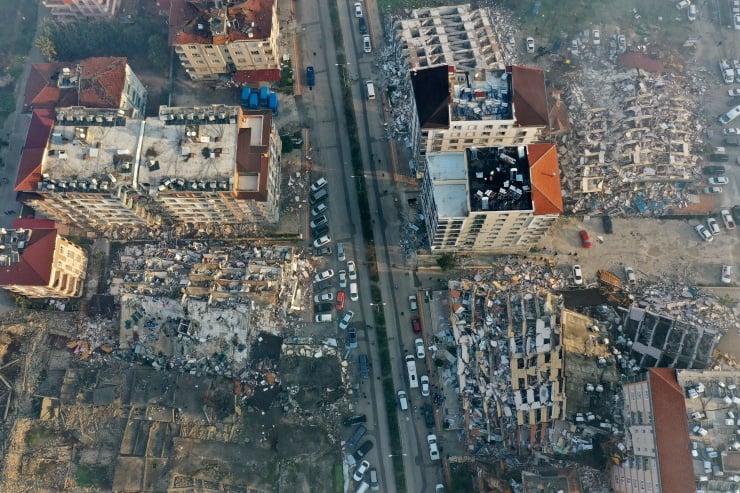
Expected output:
(323, 317)
(370, 89)
(730, 115)
(403, 400)
(353, 294)
(411, 367)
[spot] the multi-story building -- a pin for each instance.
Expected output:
(78, 10)
(37, 262)
(491, 199)
(196, 165)
(658, 458)
(98, 82)
(455, 110)
(213, 39)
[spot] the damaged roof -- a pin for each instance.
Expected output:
(33, 268)
(530, 97)
(432, 95)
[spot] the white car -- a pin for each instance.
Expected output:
(358, 9)
(360, 471)
(683, 4)
(629, 274)
(367, 45)
(731, 131)
(340, 252)
(712, 190)
(726, 274)
(424, 385)
(596, 36)
(691, 14)
(718, 180)
(344, 323)
(321, 241)
(320, 298)
(713, 226)
(733, 93)
(621, 43)
(342, 278)
(318, 184)
(736, 22)
(433, 449)
(412, 303)
(353, 292)
(323, 276)
(530, 45)
(419, 345)
(727, 219)
(577, 275)
(703, 232)
(351, 270)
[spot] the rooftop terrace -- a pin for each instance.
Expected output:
(481, 95)
(499, 179)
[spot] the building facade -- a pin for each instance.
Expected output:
(79, 10)
(215, 39)
(38, 263)
(194, 167)
(494, 199)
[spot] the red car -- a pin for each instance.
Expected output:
(585, 240)
(340, 300)
(416, 324)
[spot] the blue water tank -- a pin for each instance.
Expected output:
(264, 95)
(246, 91)
(254, 100)
(273, 103)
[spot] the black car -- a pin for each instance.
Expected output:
(428, 415)
(363, 25)
(364, 368)
(608, 226)
(324, 307)
(320, 231)
(714, 170)
(320, 252)
(320, 286)
(719, 156)
(362, 450)
(354, 420)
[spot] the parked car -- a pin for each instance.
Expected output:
(342, 278)
(351, 270)
(607, 223)
(374, 484)
(319, 298)
(692, 13)
(596, 37)
(340, 252)
(367, 45)
(629, 273)
(318, 184)
(344, 323)
(322, 318)
(363, 449)
(621, 43)
(323, 275)
(433, 449)
(363, 25)
(416, 325)
(726, 274)
(727, 219)
(412, 303)
(585, 239)
(577, 275)
(440, 488)
(360, 471)
(310, 76)
(713, 170)
(736, 22)
(354, 420)
(419, 345)
(732, 141)
(320, 231)
(319, 209)
(428, 412)
(703, 232)
(358, 9)
(712, 190)
(730, 130)
(323, 307)
(352, 338)
(733, 93)
(718, 180)
(354, 294)
(530, 45)
(719, 157)
(683, 4)
(340, 300)
(713, 225)
(319, 221)
(424, 379)
(321, 241)
(403, 400)
(323, 251)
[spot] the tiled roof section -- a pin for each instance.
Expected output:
(40, 77)
(252, 159)
(255, 76)
(34, 266)
(29, 169)
(529, 97)
(32, 223)
(432, 95)
(190, 21)
(544, 170)
(671, 425)
(102, 82)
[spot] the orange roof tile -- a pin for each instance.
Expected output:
(254, 76)
(671, 425)
(29, 169)
(102, 82)
(253, 21)
(529, 97)
(34, 265)
(547, 196)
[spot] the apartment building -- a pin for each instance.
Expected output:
(100, 170)
(80, 10)
(491, 199)
(37, 262)
(97, 82)
(658, 458)
(213, 39)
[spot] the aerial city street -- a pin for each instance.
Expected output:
(359, 245)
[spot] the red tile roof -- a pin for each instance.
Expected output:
(671, 424)
(255, 76)
(39, 78)
(252, 17)
(529, 97)
(34, 266)
(547, 196)
(29, 169)
(32, 223)
(254, 158)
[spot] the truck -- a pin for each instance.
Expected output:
(310, 77)
(411, 367)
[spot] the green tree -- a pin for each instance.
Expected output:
(46, 47)
(158, 55)
(446, 261)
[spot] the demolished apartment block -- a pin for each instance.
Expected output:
(209, 165)
(510, 369)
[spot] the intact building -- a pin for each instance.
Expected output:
(213, 39)
(454, 109)
(491, 199)
(36, 262)
(195, 165)
(78, 10)
(658, 458)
